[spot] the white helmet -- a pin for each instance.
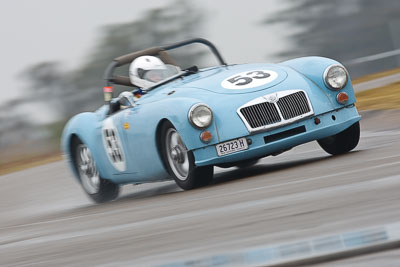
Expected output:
(146, 71)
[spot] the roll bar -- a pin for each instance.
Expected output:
(154, 51)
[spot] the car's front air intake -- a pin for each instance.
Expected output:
(275, 110)
(293, 105)
(261, 114)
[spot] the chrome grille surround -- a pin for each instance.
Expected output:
(275, 110)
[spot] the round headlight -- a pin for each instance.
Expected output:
(335, 77)
(200, 115)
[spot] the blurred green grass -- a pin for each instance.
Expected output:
(382, 98)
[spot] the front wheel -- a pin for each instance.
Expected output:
(98, 189)
(180, 162)
(342, 142)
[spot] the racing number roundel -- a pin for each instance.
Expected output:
(112, 145)
(249, 79)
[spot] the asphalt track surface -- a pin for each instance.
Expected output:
(46, 220)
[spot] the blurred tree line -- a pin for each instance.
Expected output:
(62, 93)
(340, 29)
(343, 30)
(70, 92)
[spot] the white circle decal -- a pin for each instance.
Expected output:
(112, 145)
(249, 79)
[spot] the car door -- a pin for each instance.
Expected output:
(115, 140)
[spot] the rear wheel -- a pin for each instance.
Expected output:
(342, 142)
(98, 189)
(180, 162)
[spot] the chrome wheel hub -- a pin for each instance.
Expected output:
(87, 170)
(177, 154)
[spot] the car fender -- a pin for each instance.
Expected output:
(86, 127)
(178, 109)
(313, 68)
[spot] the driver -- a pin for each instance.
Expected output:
(146, 71)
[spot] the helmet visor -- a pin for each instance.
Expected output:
(157, 75)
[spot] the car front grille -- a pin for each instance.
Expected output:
(261, 114)
(293, 105)
(275, 110)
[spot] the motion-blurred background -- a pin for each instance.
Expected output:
(54, 52)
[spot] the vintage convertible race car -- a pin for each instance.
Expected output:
(182, 123)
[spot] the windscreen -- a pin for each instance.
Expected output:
(158, 75)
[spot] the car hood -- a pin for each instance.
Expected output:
(212, 86)
(235, 79)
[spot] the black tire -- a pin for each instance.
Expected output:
(180, 162)
(342, 142)
(98, 189)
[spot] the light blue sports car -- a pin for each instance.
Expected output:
(184, 123)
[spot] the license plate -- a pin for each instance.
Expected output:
(231, 146)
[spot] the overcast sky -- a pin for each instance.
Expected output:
(66, 30)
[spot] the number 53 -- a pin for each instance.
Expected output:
(248, 78)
